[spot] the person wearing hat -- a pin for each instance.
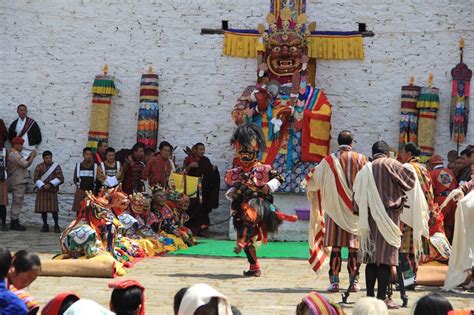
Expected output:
(443, 181)
(60, 303)
(317, 304)
(18, 178)
(128, 297)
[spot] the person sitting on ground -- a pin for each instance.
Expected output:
(128, 298)
(370, 306)
(317, 304)
(178, 297)
(60, 303)
(432, 304)
(87, 307)
(26, 267)
(31, 303)
(9, 302)
(202, 299)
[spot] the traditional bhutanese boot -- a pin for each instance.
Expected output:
(16, 226)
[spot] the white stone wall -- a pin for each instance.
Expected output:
(50, 52)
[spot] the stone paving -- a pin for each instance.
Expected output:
(283, 284)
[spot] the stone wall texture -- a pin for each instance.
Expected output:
(51, 51)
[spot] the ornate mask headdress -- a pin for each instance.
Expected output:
(285, 41)
(247, 141)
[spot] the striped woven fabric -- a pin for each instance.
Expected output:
(316, 232)
(428, 105)
(103, 89)
(148, 114)
(409, 115)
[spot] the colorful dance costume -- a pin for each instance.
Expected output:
(254, 214)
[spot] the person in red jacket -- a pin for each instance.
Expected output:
(444, 181)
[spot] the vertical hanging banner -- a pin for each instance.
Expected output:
(459, 113)
(103, 89)
(428, 106)
(148, 113)
(409, 115)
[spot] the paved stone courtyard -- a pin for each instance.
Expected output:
(283, 284)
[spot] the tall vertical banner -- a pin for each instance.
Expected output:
(103, 89)
(148, 113)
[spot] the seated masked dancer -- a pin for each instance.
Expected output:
(252, 184)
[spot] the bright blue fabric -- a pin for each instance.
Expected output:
(10, 304)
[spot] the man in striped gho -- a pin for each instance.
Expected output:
(330, 190)
(48, 176)
(380, 194)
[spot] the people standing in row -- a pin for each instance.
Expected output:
(3, 176)
(47, 177)
(110, 172)
(99, 156)
(18, 178)
(159, 168)
(133, 168)
(207, 198)
(27, 129)
(85, 177)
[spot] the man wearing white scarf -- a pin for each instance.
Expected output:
(415, 217)
(379, 193)
(330, 191)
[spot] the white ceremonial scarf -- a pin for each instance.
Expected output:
(461, 260)
(416, 213)
(27, 149)
(323, 179)
(367, 196)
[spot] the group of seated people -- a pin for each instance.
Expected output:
(121, 227)
(128, 297)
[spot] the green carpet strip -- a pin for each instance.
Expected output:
(222, 248)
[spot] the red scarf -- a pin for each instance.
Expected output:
(53, 306)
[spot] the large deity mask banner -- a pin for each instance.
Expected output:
(293, 115)
(103, 89)
(148, 114)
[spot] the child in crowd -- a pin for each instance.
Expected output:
(370, 306)
(60, 304)
(128, 298)
(9, 303)
(432, 304)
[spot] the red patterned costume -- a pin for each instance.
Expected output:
(443, 181)
(252, 183)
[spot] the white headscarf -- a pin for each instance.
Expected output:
(201, 294)
(87, 307)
